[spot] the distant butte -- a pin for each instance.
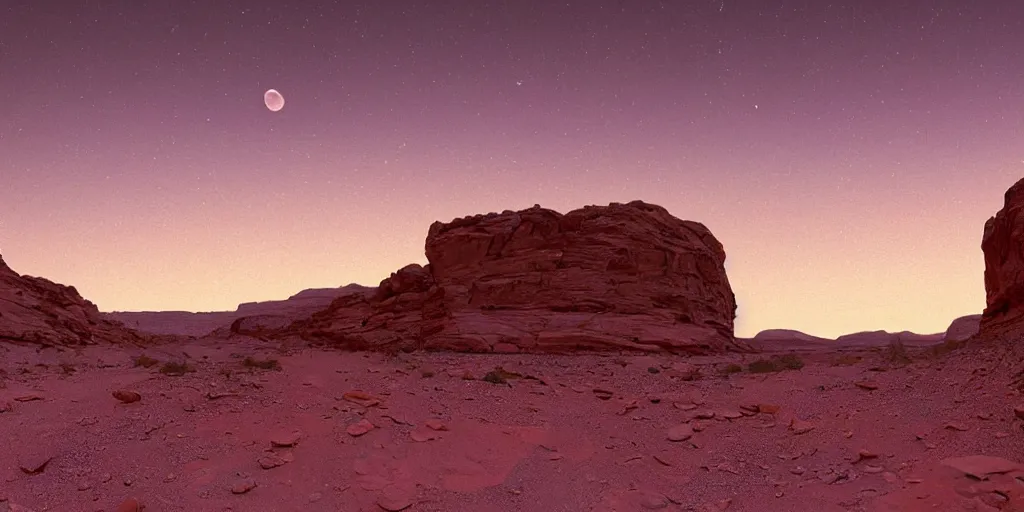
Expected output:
(623, 276)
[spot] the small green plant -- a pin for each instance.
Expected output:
(174, 369)
(263, 364)
(145, 361)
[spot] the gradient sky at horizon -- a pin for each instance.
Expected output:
(846, 153)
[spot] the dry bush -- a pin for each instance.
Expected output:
(174, 369)
(776, 364)
(846, 360)
(896, 352)
(145, 361)
(263, 364)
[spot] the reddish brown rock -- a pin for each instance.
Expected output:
(126, 396)
(623, 276)
(1004, 266)
(359, 428)
(130, 505)
(36, 310)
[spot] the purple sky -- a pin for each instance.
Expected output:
(846, 153)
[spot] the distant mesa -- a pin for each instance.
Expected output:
(278, 313)
(1004, 267)
(37, 311)
(617, 277)
(787, 335)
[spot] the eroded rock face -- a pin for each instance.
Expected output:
(36, 310)
(1003, 246)
(623, 276)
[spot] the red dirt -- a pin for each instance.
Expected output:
(573, 433)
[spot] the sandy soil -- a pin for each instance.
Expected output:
(426, 432)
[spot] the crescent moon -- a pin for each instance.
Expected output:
(273, 100)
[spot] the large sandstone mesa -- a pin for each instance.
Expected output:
(39, 311)
(1003, 246)
(623, 276)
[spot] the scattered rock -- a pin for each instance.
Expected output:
(680, 432)
(981, 466)
(126, 397)
(243, 486)
(867, 384)
(32, 397)
(960, 427)
(768, 408)
(130, 505)
(603, 394)
(394, 500)
(34, 463)
(800, 426)
(435, 424)
(271, 461)
(286, 440)
(1018, 411)
(361, 398)
(359, 428)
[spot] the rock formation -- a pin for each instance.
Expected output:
(249, 317)
(1003, 246)
(623, 276)
(39, 311)
(963, 328)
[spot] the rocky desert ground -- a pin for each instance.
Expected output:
(539, 362)
(247, 426)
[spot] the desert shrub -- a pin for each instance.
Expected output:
(732, 368)
(776, 364)
(846, 360)
(896, 352)
(263, 364)
(945, 347)
(145, 361)
(175, 369)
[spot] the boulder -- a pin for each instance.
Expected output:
(624, 276)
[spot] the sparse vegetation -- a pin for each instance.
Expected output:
(175, 369)
(776, 364)
(732, 368)
(896, 352)
(846, 360)
(145, 361)
(945, 347)
(263, 364)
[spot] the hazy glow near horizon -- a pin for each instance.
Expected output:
(846, 154)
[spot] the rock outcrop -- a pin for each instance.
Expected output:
(248, 318)
(883, 338)
(963, 328)
(623, 276)
(35, 310)
(1003, 246)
